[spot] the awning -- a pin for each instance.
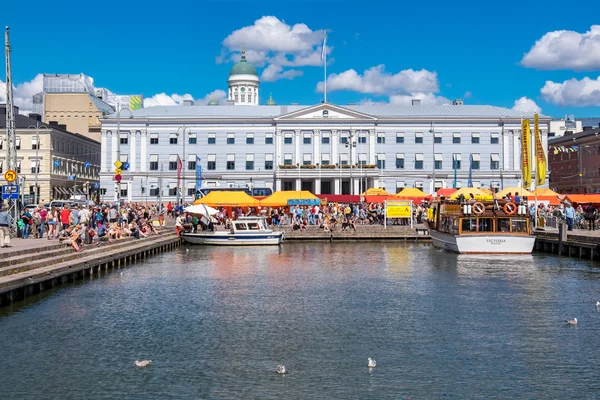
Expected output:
(456, 135)
(438, 157)
(381, 156)
(419, 157)
(399, 155)
(495, 157)
(290, 197)
(173, 157)
(476, 157)
(457, 156)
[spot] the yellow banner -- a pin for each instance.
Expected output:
(526, 153)
(540, 156)
(135, 102)
(398, 209)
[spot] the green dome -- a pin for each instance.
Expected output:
(213, 102)
(270, 102)
(243, 67)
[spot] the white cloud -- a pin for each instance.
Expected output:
(218, 94)
(573, 92)
(23, 93)
(426, 99)
(272, 43)
(566, 50)
(526, 105)
(163, 99)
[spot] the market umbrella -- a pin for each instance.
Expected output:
(514, 190)
(201, 209)
(412, 193)
(466, 192)
(376, 192)
(545, 192)
(288, 197)
(228, 199)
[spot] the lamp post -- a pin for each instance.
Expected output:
(320, 185)
(299, 179)
(37, 127)
(350, 146)
(432, 131)
(183, 128)
(119, 111)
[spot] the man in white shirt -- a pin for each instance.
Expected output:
(84, 216)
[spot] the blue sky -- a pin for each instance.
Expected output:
(384, 51)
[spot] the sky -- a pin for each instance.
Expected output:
(529, 55)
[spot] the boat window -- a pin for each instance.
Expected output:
(253, 226)
(486, 224)
(503, 224)
(469, 225)
(519, 225)
(240, 226)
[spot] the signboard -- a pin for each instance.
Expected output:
(118, 164)
(398, 209)
(56, 163)
(96, 185)
(10, 175)
(303, 202)
(125, 166)
(87, 165)
(10, 192)
(71, 177)
(118, 171)
(118, 178)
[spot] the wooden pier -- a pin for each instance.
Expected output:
(578, 243)
(363, 233)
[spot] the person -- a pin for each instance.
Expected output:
(52, 221)
(27, 221)
(65, 214)
(517, 198)
(43, 220)
(5, 222)
(569, 216)
(178, 224)
(590, 216)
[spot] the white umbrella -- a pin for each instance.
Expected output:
(201, 209)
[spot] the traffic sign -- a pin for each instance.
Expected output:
(87, 165)
(10, 192)
(71, 177)
(96, 185)
(10, 175)
(118, 171)
(118, 178)
(118, 164)
(126, 166)
(56, 163)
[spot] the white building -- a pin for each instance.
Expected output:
(558, 126)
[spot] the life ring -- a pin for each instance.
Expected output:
(478, 208)
(510, 208)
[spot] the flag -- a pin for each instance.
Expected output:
(526, 154)
(198, 174)
(324, 50)
(179, 168)
(470, 182)
(540, 166)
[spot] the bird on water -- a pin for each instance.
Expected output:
(371, 363)
(143, 363)
(572, 321)
(281, 369)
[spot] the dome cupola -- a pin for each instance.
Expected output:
(243, 83)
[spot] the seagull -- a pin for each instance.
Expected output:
(281, 369)
(572, 321)
(598, 304)
(371, 363)
(143, 363)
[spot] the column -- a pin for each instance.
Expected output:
(355, 182)
(516, 150)
(297, 146)
(337, 186)
(298, 184)
(103, 145)
(114, 145)
(277, 185)
(277, 148)
(129, 191)
(132, 150)
(505, 152)
(334, 147)
(318, 185)
(143, 155)
(316, 147)
(372, 142)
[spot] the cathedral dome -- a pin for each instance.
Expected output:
(243, 67)
(270, 102)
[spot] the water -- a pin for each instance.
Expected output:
(216, 322)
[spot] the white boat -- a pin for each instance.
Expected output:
(482, 227)
(244, 231)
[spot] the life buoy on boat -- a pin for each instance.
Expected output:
(478, 208)
(510, 208)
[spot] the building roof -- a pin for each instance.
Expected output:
(243, 67)
(572, 139)
(104, 107)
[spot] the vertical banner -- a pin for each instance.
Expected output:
(198, 175)
(470, 182)
(179, 168)
(526, 154)
(540, 156)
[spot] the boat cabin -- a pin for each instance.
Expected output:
(248, 224)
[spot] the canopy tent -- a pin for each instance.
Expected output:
(551, 200)
(379, 199)
(201, 209)
(290, 197)
(411, 193)
(545, 192)
(445, 192)
(514, 190)
(228, 199)
(339, 198)
(466, 192)
(376, 192)
(583, 198)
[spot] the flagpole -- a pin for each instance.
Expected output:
(324, 59)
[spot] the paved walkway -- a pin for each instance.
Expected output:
(18, 244)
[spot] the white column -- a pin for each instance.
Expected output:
(505, 153)
(372, 146)
(356, 186)
(277, 148)
(129, 191)
(297, 146)
(103, 145)
(277, 185)
(298, 184)
(334, 148)
(316, 147)
(132, 151)
(317, 186)
(337, 186)
(516, 149)
(143, 155)
(113, 148)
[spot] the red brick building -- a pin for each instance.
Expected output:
(574, 162)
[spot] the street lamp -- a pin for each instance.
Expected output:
(37, 127)
(299, 178)
(432, 131)
(183, 128)
(119, 111)
(351, 145)
(320, 185)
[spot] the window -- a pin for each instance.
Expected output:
(269, 161)
(191, 164)
(212, 162)
(90, 120)
(18, 166)
(173, 162)
(123, 189)
(1, 140)
(18, 143)
(124, 138)
(172, 190)
(399, 160)
(494, 138)
(34, 143)
(437, 137)
(154, 191)
(475, 138)
(344, 137)
(325, 137)
(475, 161)
(236, 98)
(192, 138)
(249, 138)
(212, 138)
(494, 161)
(243, 97)
(456, 158)
(362, 137)
(307, 138)
(362, 159)
(1, 166)
(400, 185)
(191, 189)
(230, 161)
(399, 137)
(381, 138)
(153, 162)
(231, 138)
(249, 162)
(419, 161)
(287, 138)
(172, 138)
(419, 137)
(288, 159)
(35, 166)
(154, 138)
(268, 138)
(381, 160)
(456, 138)
(437, 160)
(307, 159)
(325, 160)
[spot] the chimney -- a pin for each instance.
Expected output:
(37, 117)
(53, 123)
(188, 102)
(61, 126)
(587, 128)
(458, 102)
(416, 102)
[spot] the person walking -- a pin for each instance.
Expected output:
(52, 218)
(27, 221)
(590, 215)
(43, 220)
(5, 222)
(569, 216)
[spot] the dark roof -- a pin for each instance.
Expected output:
(570, 138)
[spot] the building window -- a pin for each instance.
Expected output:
(288, 159)
(172, 191)
(269, 161)
(325, 159)
(400, 161)
(192, 139)
(381, 160)
(437, 137)
(18, 169)
(362, 159)
(249, 162)
(456, 138)
(249, 138)
(191, 163)
(153, 162)
(230, 162)
(18, 143)
(231, 138)
(344, 138)
(154, 191)
(172, 138)
(494, 161)
(1, 140)
(362, 138)
(287, 138)
(212, 138)
(35, 166)
(236, 98)
(456, 159)
(243, 98)
(173, 162)
(419, 161)
(90, 120)
(124, 138)
(154, 138)
(381, 138)
(212, 162)
(306, 139)
(475, 138)
(123, 190)
(34, 143)
(399, 137)
(307, 159)
(437, 161)
(419, 137)
(269, 138)
(475, 161)
(495, 138)
(191, 191)
(325, 138)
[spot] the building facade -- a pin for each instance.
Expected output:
(325, 148)
(574, 162)
(59, 163)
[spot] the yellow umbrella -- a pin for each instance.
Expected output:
(545, 192)
(376, 192)
(228, 199)
(280, 199)
(514, 190)
(413, 193)
(466, 192)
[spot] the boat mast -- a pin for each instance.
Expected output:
(11, 151)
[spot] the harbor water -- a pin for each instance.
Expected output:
(216, 321)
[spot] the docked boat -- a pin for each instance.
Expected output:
(480, 227)
(244, 231)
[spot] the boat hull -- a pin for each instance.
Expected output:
(232, 239)
(483, 244)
